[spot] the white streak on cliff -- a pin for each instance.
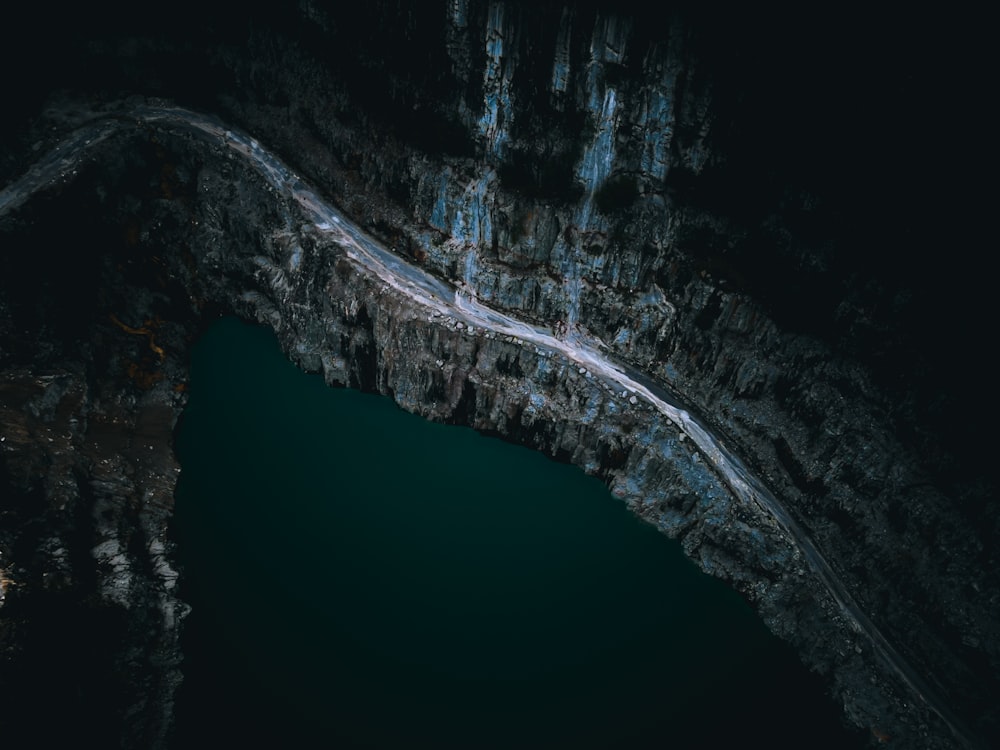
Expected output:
(497, 110)
(599, 156)
(561, 61)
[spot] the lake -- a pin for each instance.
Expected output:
(361, 577)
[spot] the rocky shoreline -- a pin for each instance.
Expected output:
(94, 352)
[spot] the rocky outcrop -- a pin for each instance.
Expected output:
(89, 611)
(578, 167)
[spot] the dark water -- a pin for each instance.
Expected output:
(363, 578)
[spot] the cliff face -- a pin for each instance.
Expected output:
(734, 216)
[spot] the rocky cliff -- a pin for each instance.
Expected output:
(741, 220)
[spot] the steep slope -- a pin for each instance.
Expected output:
(718, 210)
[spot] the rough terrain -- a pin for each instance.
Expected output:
(573, 172)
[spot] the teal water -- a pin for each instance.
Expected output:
(363, 578)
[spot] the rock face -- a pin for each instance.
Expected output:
(677, 187)
(89, 614)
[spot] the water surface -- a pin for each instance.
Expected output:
(363, 578)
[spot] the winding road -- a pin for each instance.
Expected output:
(442, 299)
